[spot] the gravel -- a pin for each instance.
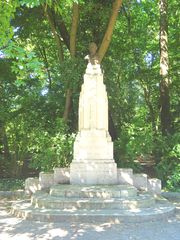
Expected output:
(19, 229)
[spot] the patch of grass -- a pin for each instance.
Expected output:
(11, 184)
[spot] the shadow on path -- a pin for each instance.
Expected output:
(19, 229)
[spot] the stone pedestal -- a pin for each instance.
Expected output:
(61, 175)
(93, 161)
(46, 180)
(140, 181)
(125, 176)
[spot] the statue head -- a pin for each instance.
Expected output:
(92, 48)
(93, 56)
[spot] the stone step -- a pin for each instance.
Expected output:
(96, 191)
(159, 211)
(46, 201)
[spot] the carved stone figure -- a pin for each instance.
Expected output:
(93, 161)
(93, 56)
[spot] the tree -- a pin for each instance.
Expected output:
(59, 30)
(47, 62)
(108, 35)
(102, 49)
(7, 10)
(165, 114)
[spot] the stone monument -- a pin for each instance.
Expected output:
(98, 191)
(93, 161)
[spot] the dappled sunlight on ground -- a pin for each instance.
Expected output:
(58, 232)
(12, 228)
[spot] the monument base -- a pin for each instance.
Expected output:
(93, 161)
(93, 204)
(93, 172)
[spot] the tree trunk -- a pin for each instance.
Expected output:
(108, 35)
(57, 38)
(43, 54)
(6, 152)
(63, 30)
(151, 110)
(112, 129)
(74, 28)
(73, 35)
(165, 115)
(156, 153)
(68, 104)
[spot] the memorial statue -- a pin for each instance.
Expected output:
(93, 56)
(93, 161)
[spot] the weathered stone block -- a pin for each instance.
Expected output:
(46, 180)
(93, 172)
(93, 144)
(61, 175)
(140, 181)
(154, 185)
(32, 185)
(125, 176)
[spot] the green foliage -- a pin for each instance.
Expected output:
(173, 182)
(135, 141)
(52, 150)
(9, 184)
(32, 3)
(33, 83)
(168, 168)
(7, 10)
(70, 78)
(26, 64)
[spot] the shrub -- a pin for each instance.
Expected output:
(168, 170)
(10, 184)
(173, 182)
(52, 151)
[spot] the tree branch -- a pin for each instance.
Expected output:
(47, 67)
(74, 27)
(108, 35)
(63, 30)
(52, 23)
(73, 34)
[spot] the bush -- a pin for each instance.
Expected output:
(133, 142)
(52, 151)
(168, 170)
(173, 182)
(9, 184)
